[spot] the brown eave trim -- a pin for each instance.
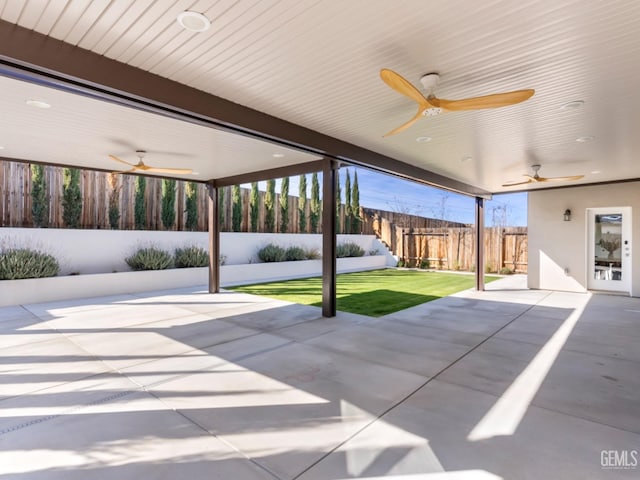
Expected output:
(279, 172)
(31, 56)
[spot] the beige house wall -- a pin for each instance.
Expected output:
(556, 245)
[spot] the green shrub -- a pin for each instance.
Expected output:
(191, 206)
(284, 205)
(401, 264)
(315, 205)
(272, 253)
(71, 197)
(149, 258)
(114, 201)
(25, 263)
(39, 200)
(312, 254)
(349, 250)
(254, 206)
(236, 209)
(424, 264)
(294, 254)
(356, 221)
(140, 207)
(269, 207)
(302, 204)
(190, 257)
(168, 201)
(506, 271)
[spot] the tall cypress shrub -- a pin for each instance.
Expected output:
(302, 204)
(254, 206)
(269, 207)
(39, 202)
(236, 209)
(284, 205)
(356, 225)
(168, 212)
(221, 214)
(191, 206)
(114, 201)
(338, 200)
(314, 205)
(140, 207)
(71, 197)
(347, 203)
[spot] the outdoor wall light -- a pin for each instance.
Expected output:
(567, 215)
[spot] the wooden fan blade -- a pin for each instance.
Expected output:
(175, 171)
(134, 169)
(404, 126)
(401, 85)
(489, 101)
(531, 180)
(113, 157)
(562, 179)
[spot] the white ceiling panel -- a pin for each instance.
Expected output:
(316, 63)
(81, 131)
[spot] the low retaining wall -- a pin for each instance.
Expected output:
(266, 272)
(40, 290)
(104, 251)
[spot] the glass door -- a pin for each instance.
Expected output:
(609, 256)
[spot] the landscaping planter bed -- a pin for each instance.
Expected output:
(39, 290)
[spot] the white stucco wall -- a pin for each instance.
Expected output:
(556, 245)
(104, 251)
(96, 251)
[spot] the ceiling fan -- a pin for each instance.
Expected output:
(431, 105)
(535, 178)
(142, 167)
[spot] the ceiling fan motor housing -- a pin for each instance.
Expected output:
(430, 81)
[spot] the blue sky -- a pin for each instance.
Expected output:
(385, 192)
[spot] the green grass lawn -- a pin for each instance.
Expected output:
(374, 293)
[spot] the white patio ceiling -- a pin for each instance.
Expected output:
(316, 64)
(82, 131)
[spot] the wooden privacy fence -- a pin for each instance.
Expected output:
(15, 202)
(441, 243)
(15, 199)
(453, 248)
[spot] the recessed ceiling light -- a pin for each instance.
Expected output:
(195, 173)
(466, 158)
(1, 147)
(35, 102)
(278, 155)
(572, 105)
(423, 139)
(585, 139)
(193, 21)
(595, 172)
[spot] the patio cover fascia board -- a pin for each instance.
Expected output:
(271, 173)
(31, 56)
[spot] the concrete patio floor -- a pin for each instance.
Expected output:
(508, 383)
